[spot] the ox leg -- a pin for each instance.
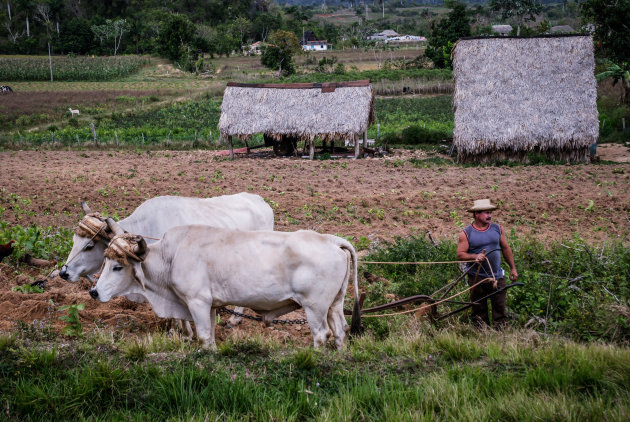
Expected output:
(337, 321)
(202, 312)
(318, 324)
(184, 328)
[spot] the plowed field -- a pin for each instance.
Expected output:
(371, 200)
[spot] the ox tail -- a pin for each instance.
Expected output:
(355, 324)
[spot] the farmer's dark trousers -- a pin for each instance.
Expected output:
(479, 312)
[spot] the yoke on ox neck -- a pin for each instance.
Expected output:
(93, 225)
(122, 247)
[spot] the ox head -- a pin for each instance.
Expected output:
(122, 270)
(90, 239)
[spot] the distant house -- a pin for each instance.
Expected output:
(321, 45)
(561, 29)
(381, 36)
(503, 30)
(405, 38)
(255, 48)
(308, 36)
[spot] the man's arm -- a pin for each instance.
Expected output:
(462, 250)
(508, 255)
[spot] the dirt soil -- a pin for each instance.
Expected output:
(371, 200)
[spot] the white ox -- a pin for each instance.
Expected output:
(244, 211)
(195, 269)
(153, 217)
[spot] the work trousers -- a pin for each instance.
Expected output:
(479, 313)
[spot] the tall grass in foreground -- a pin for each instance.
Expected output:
(416, 373)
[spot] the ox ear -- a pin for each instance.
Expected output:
(138, 273)
(114, 226)
(86, 208)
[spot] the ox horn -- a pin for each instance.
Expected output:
(141, 246)
(114, 226)
(86, 208)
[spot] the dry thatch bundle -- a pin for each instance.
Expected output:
(518, 95)
(329, 111)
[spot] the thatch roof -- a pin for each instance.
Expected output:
(330, 111)
(515, 95)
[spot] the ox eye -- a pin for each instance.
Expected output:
(88, 247)
(118, 268)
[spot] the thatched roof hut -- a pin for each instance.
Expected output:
(519, 95)
(329, 111)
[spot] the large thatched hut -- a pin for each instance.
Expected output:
(514, 96)
(303, 111)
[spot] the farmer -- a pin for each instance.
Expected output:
(479, 240)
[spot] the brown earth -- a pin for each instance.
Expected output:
(371, 200)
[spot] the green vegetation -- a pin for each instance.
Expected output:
(571, 288)
(410, 121)
(27, 289)
(70, 68)
(46, 243)
(74, 327)
(417, 373)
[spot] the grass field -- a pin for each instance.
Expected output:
(419, 373)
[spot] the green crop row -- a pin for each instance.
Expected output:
(84, 68)
(198, 120)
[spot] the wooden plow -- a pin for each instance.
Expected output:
(432, 301)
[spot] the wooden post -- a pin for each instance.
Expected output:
(94, 134)
(116, 135)
(365, 140)
(311, 153)
(356, 147)
(231, 147)
(246, 146)
(378, 131)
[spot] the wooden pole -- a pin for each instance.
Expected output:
(356, 148)
(231, 147)
(364, 140)
(311, 153)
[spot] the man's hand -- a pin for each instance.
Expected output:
(480, 257)
(513, 274)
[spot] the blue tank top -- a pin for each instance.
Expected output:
(489, 240)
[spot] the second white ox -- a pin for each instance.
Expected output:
(195, 269)
(244, 211)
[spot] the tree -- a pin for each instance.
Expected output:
(612, 37)
(279, 55)
(611, 30)
(521, 10)
(111, 29)
(44, 15)
(176, 35)
(455, 26)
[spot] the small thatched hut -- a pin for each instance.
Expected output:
(329, 111)
(519, 95)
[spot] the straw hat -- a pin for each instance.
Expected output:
(482, 205)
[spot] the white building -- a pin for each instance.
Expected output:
(406, 38)
(317, 46)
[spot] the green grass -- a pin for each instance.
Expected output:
(417, 373)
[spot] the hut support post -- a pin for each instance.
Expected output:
(246, 146)
(311, 152)
(364, 140)
(231, 147)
